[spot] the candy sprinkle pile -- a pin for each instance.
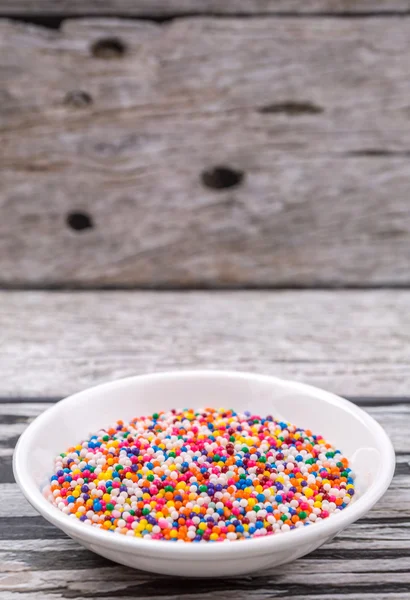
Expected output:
(195, 476)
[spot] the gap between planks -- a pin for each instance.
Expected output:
(174, 8)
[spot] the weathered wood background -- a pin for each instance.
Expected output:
(206, 151)
(205, 143)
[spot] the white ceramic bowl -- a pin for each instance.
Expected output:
(342, 423)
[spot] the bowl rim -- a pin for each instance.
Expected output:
(256, 546)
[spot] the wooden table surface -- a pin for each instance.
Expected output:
(352, 342)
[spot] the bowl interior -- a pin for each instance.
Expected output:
(67, 423)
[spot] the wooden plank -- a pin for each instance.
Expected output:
(158, 8)
(304, 574)
(350, 342)
(310, 115)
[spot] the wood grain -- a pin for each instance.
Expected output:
(368, 561)
(312, 114)
(350, 342)
(25, 8)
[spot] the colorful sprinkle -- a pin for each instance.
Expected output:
(196, 476)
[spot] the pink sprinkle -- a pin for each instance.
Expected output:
(163, 523)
